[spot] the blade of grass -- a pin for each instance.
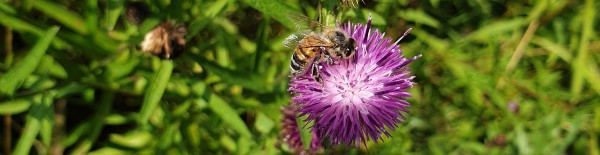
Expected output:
(61, 14)
(91, 15)
(200, 22)
(228, 114)
(47, 119)
(261, 42)
(97, 123)
(155, 91)
(18, 24)
(167, 137)
(276, 10)
(263, 123)
(113, 11)
(252, 81)
(304, 129)
(7, 8)
(33, 124)
(15, 76)
(497, 27)
(553, 48)
(77, 133)
(22, 26)
(580, 64)
(15, 106)
(419, 16)
(516, 56)
(244, 144)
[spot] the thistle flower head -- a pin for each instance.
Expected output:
(359, 97)
(291, 133)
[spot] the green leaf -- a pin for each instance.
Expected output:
(431, 40)
(91, 15)
(134, 140)
(48, 118)
(97, 123)
(244, 144)
(120, 69)
(7, 8)
(434, 3)
(15, 106)
(61, 14)
(276, 10)
(492, 30)
(109, 150)
(252, 81)
(263, 123)
(48, 66)
(38, 113)
(70, 88)
(18, 24)
(553, 48)
(377, 19)
(303, 128)
(522, 140)
(77, 133)
(22, 26)
(155, 91)
(419, 16)
(223, 110)
(11, 81)
(113, 12)
(228, 143)
(580, 62)
(208, 15)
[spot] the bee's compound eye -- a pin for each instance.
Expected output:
(339, 36)
(348, 52)
(350, 47)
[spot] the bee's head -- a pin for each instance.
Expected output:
(349, 48)
(337, 36)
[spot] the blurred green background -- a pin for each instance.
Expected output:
(496, 77)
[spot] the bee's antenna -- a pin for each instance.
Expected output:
(335, 12)
(320, 13)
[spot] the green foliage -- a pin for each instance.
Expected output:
(87, 88)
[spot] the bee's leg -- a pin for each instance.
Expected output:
(315, 72)
(328, 59)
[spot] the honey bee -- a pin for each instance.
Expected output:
(312, 47)
(165, 41)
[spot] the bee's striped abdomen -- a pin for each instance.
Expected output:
(301, 58)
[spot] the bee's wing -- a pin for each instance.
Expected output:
(293, 40)
(316, 41)
(304, 23)
(305, 26)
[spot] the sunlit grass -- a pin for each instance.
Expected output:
(223, 94)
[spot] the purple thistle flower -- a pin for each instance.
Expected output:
(361, 96)
(315, 143)
(291, 133)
